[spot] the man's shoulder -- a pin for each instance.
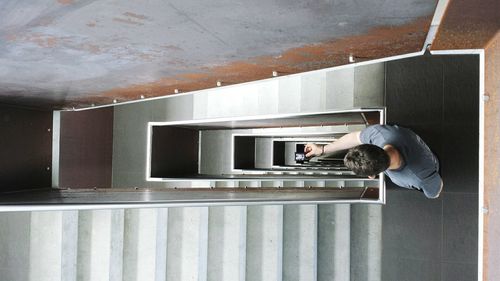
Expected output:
(384, 128)
(378, 132)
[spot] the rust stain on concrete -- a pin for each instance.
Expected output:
(377, 43)
(42, 40)
(131, 18)
(50, 42)
(91, 24)
(172, 48)
(65, 2)
(146, 57)
(468, 25)
(91, 48)
(133, 15)
(192, 76)
(127, 21)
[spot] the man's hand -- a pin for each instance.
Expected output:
(312, 149)
(345, 142)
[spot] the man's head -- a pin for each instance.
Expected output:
(367, 160)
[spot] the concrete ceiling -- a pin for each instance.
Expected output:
(59, 53)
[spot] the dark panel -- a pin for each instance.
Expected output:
(460, 158)
(461, 89)
(438, 98)
(403, 230)
(25, 148)
(460, 227)
(414, 97)
(459, 271)
(414, 91)
(424, 239)
(432, 135)
(86, 147)
(279, 153)
(174, 152)
(412, 230)
(410, 269)
(244, 152)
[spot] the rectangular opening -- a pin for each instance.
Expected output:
(271, 153)
(174, 151)
(278, 153)
(244, 152)
(259, 148)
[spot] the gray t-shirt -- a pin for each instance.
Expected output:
(420, 167)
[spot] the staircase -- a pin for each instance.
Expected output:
(264, 243)
(233, 243)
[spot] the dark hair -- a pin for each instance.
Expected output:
(367, 160)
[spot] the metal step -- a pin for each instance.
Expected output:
(334, 239)
(366, 242)
(227, 239)
(244, 243)
(187, 244)
(100, 245)
(145, 244)
(264, 243)
(15, 246)
(53, 236)
(300, 230)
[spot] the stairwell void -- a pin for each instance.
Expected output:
(410, 238)
(220, 145)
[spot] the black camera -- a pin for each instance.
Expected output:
(300, 155)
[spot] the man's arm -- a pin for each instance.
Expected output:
(345, 142)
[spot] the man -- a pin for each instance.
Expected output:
(396, 151)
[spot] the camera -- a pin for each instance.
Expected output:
(300, 155)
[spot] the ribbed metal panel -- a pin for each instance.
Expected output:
(264, 243)
(300, 230)
(334, 238)
(227, 243)
(100, 245)
(187, 243)
(366, 242)
(46, 242)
